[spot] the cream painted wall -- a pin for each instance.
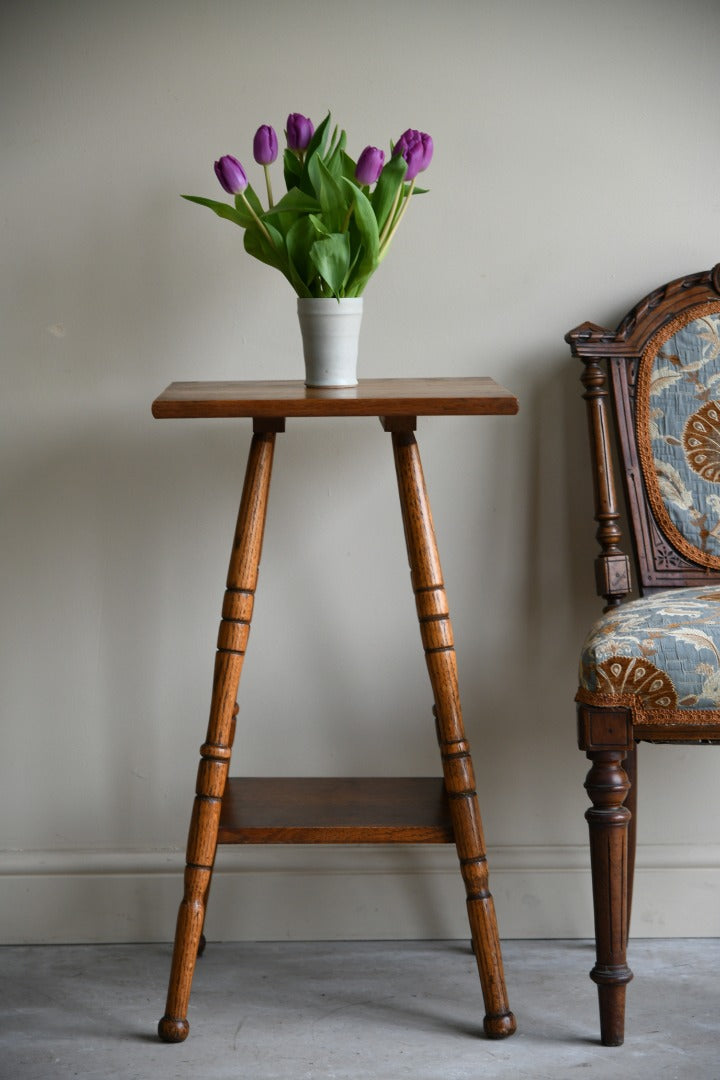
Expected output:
(576, 165)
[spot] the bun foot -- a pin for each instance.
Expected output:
(172, 1030)
(499, 1027)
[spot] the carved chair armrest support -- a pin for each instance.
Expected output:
(612, 565)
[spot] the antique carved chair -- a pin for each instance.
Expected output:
(650, 667)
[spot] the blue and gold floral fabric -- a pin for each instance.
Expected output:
(658, 653)
(678, 430)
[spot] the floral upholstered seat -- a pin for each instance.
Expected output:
(649, 667)
(658, 653)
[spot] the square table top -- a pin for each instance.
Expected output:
(475, 396)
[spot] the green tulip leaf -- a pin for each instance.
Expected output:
(295, 204)
(270, 251)
(333, 202)
(318, 138)
(293, 170)
(299, 240)
(294, 201)
(331, 257)
(222, 210)
(335, 154)
(387, 187)
(320, 227)
(368, 254)
(250, 197)
(348, 167)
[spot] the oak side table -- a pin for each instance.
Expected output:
(336, 811)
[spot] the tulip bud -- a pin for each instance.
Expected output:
(369, 165)
(428, 150)
(265, 145)
(231, 174)
(299, 131)
(417, 149)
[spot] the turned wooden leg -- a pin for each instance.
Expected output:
(215, 752)
(631, 768)
(606, 737)
(202, 943)
(437, 638)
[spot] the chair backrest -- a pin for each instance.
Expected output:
(661, 370)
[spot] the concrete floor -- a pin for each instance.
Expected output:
(371, 1010)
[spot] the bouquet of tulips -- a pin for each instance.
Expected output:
(333, 226)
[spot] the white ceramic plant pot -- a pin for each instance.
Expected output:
(330, 331)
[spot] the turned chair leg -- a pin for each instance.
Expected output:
(606, 737)
(631, 768)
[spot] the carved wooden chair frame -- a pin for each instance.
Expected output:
(609, 735)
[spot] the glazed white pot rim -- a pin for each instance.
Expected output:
(329, 303)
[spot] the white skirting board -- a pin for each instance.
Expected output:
(343, 893)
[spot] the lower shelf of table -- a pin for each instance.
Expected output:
(325, 810)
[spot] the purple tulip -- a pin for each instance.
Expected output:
(299, 131)
(428, 150)
(416, 147)
(231, 174)
(265, 145)
(369, 165)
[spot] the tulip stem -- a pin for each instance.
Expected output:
(389, 219)
(385, 242)
(267, 235)
(268, 186)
